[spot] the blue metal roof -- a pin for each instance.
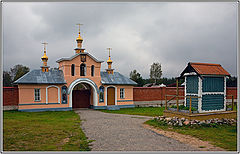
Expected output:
(53, 76)
(115, 79)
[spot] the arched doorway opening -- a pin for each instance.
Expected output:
(82, 96)
(88, 84)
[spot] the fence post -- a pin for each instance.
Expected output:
(190, 104)
(232, 102)
(165, 102)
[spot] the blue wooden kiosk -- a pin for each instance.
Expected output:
(206, 84)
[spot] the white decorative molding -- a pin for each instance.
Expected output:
(200, 93)
(212, 110)
(213, 93)
(83, 80)
(225, 93)
(47, 93)
(185, 91)
(191, 73)
(115, 93)
(191, 94)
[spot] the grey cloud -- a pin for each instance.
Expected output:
(139, 33)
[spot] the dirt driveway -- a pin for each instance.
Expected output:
(119, 132)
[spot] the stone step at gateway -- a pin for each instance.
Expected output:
(113, 107)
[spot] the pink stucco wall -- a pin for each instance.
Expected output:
(26, 96)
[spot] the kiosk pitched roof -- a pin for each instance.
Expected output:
(205, 69)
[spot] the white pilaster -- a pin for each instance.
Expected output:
(225, 94)
(199, 95)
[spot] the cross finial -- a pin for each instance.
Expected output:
(109, 50)
(45, 44)
(79, 28)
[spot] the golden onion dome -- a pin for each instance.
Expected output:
(79, 38)
(44, 56)
(109, 60)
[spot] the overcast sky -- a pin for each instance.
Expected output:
(139, 34)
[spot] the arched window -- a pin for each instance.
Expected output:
(83, 70)
(101, 94)
(73, 69)
(64, 94)
(92, 70)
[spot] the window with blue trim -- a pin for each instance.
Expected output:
(101, 94)
(64, 94)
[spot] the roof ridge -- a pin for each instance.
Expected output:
(77, 54)
(213, 64)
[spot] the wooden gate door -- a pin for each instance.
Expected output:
(110, 96)
(81, 98)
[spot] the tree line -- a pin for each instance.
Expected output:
(13, 74)
(155, 78)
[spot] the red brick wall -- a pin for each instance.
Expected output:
(10, 96)
(232, 91)
(158, 93)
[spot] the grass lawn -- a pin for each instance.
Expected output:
(144, 111)
(223, 136)
(43, 131)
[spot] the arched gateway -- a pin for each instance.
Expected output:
(87, 81)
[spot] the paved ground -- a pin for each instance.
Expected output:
(120, 132)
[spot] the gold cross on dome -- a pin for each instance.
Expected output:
(109, 50)
(45, 44)
(79, 27)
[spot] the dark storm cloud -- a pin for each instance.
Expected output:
(139, 33)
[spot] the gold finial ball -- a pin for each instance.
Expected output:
(44, 57)
(109, 60)
(79, 38)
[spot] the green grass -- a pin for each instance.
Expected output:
(223, 136)
(234, 107)
(43, 131)
(144, 111)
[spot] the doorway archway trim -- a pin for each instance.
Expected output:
(84, 80)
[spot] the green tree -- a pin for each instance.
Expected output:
(155, 72)
(18, 71)
(7, 79)
(135, 76)
(232, 81)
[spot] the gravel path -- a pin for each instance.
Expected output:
(120, 132)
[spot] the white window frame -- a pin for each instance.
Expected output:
(35, 95)
(122, 93)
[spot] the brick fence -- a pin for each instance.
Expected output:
(156, 95)
(10, 98)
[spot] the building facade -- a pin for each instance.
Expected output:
(206, 83)
(78, 82)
